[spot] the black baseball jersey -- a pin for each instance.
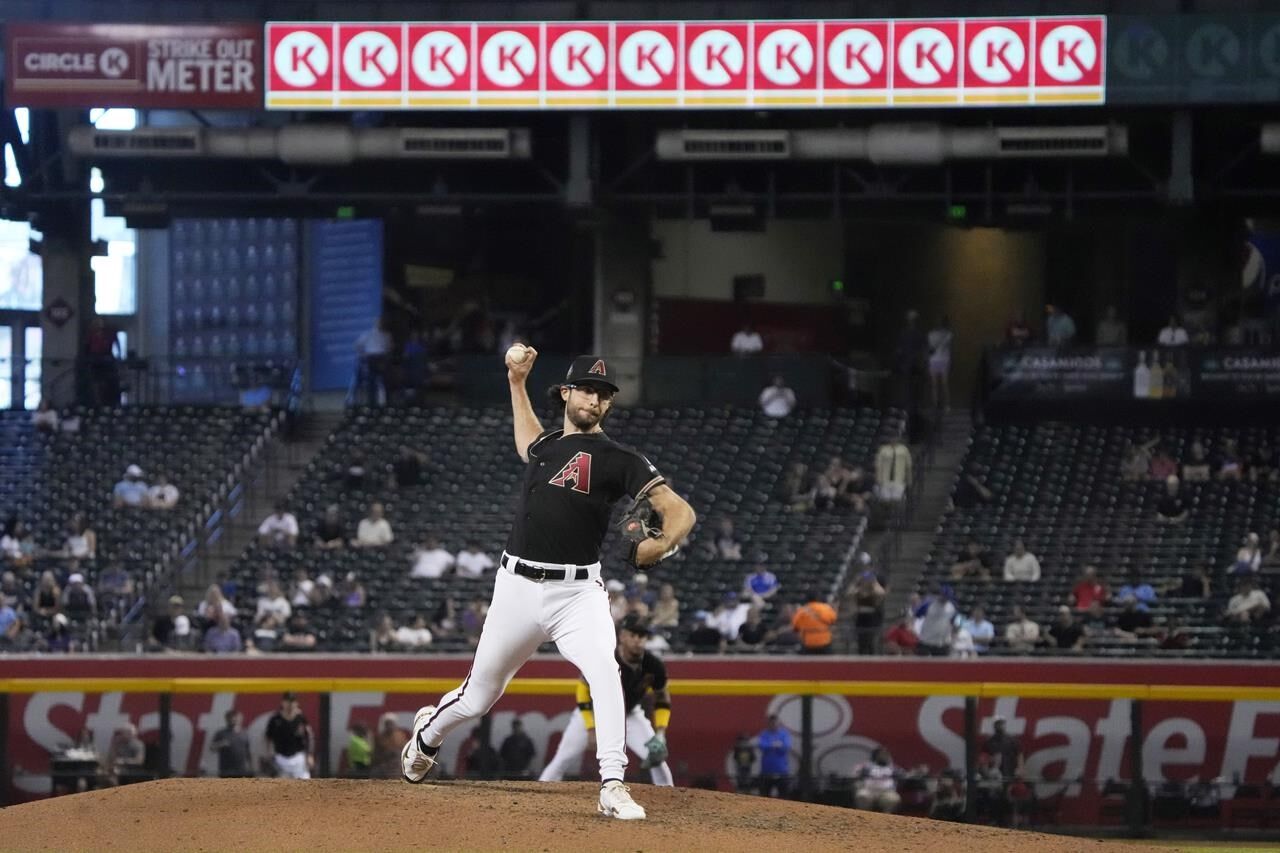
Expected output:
(650, 674)
(288, 737)
(570, 486)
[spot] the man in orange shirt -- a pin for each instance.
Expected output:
(812, 623)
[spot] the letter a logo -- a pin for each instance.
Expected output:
(576, 471)
(598, 368)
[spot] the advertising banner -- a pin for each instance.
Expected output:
(346, 295)
(695, 64)
(1160, 374)
(213, 66)
(1073, 745)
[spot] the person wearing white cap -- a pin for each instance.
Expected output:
(131, 491)
(78, 599)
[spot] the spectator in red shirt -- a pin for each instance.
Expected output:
(1163, 466)
(900, 639)
(1089, 589)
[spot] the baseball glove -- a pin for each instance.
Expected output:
(641, 521)
(657, 746)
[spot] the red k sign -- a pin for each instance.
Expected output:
(578, 57)
(301, 57)
(647, 57)
(926, 54)
(1069, 51)
(509, 57)
(440, 58)
(857, 55)
(997, 53)
(370, 58)
(716, 56)
(786, 55)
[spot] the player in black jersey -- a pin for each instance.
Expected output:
(643, 674)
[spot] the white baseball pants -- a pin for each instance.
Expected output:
(573, 742)
(523, 615)
(292, 766)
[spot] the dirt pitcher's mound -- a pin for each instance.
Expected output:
(266, 814)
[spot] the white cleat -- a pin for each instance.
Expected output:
(414, 763)
(615, 801)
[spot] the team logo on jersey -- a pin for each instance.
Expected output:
(576, 471)
(598, 368)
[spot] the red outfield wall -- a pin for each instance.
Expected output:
(1065, 740)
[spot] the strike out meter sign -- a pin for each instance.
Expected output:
(664, 64)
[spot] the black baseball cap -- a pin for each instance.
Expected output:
(635, 624)
(590, 369)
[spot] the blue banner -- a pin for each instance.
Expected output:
(346, 295)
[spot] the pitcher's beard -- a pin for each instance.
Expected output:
(584, 419)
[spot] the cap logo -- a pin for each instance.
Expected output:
(598, 367)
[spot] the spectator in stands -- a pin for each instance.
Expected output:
(937, 623)
(830, 483)
(446, 623)
(1195, 584)
(980, 630)
(472, 561)
(1230, 462)
(374, 531)
(746, 341)
(11, 626)
(1195, 469)
(517, 752)
(1022, 634)
(939, 340)
(162, 495)
(383, 637)
(1111, 331)
(1066, 632)
(1059, 328)
(78, 599)
(131, 491)
(1175, 636)
(387, 744)
(893, 469)
(970, 491)
(640, 588)
(1088, 589)
(973, 562)
(753, 633)
(1094, 620)
(222, 637)
(114, 582)
(1249, 604)
(1017, 333)
(266, 632)
(298, 636)
(273, 601)
(1174, 334)
(280, 529)
(1264, 466)
(666, 610)
(901, 639)
(331, 532)
(17, 545)
(777, 400)
(857, 490)
(373, 349)
(472, 620)
(350, 593)
(231, 743)
(774, 744)
(302, 588)
(45, 417)
(416, 636)
(48, 596)
(82, 541)
(1137, 461)
(10, 591)
(126, 754)
(172, 629)
(1131, 622)
(430, 560)
(57, 636)
(876, 783)
(213, 603)
(1272, 558)
(727, 545)
(1139, 590)
(1163, 465)
(1021, 565)
(761, 585)
(812, 622)
(868, 606)
(406, 470)
(797, 489)
(1171, 509)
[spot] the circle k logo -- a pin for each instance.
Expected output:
(646, 57)
(855, 56)
(508, 58)
(716, 57)
(996, 54)
(577, 58)
(926, 55)
(301, 59)
(113, 62)
(784, 57)
(370, 59)
(1067, 53)
(439, 58)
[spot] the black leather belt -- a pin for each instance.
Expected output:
(538, 573)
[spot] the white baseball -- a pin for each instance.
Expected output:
(517, 354)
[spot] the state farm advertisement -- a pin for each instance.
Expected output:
(693, 64)
(134, 65)
(1074, 746)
